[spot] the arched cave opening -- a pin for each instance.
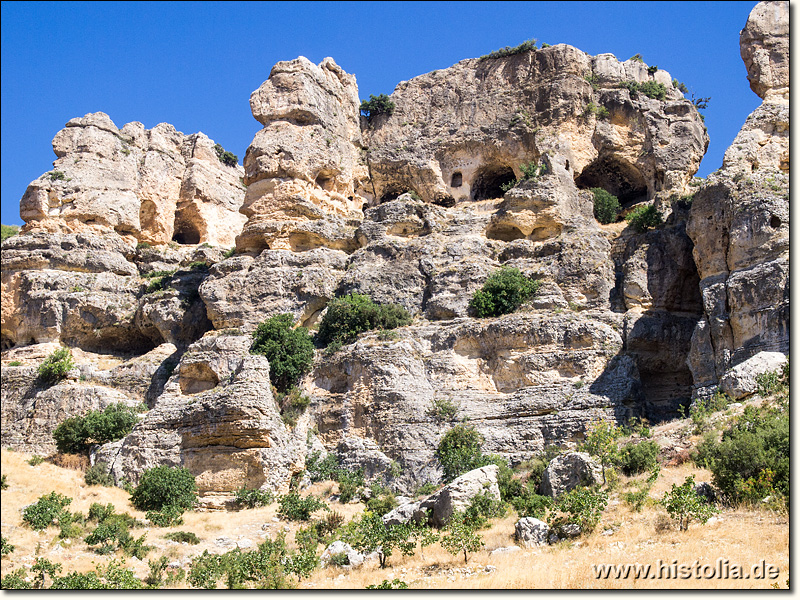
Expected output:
(456, 180)
(185, 233)
(616, 177)
(489, 182)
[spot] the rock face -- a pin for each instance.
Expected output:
(155, 185)
(120, 258)
(567, 471)
(739, 222)
(217, 418)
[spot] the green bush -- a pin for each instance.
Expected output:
(394, 584)
(752, 459)
(55, 367)
(481, 508)
(643, 218)
(606, 206)
(253, 498)
(98, 474)
(684, 504)
(459, 451)
(324, 469)
(293, 404)
(290, 351)
(166, 517)
(350, 484)
(443, 410)
(636, 499)
(369, 534)
(376, 105)
(46, 511)
(504, 292)
(5, 546)
(3, 482)
(35, 460)
(651, 89)
(225, 157)
(637, 57)
(263, 568)
(77, 435)
(382, 503)
(164, 486)
(353, 314)
(7, 231)
(703, 408)
(183, 536)
(531, 504)
(583, 506)
(525, 46)
(294, 507)
(638, 457)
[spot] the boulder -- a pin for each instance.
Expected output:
(457, 495)
(568, 471)
(531, 532)
(741, 380)
(354, 557)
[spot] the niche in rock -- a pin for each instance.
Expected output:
(325, 181)
(391, 193)
(185, 231)
(616, 177)
(456, 180)
(197, 377)
(489, 182)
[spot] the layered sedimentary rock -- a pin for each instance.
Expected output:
(739, 221)
(154, 185)
(304, 164)
(217, 418)
(417, 207)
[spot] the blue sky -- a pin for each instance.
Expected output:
(195, 64)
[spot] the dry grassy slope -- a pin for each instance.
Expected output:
(743, 536)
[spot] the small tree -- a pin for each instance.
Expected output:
(504, 292)
(376, 105)
(683, 504)
(77, 435)
(296, 508)
(606, 206)
(601, 442)
(162, 487)
(290, 351)
(350, 315)
(56, 366)
(461, 536)
(584, 507)
(370, 534)
(459, 451)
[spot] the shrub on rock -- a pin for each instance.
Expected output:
(289, 351)
(503, 293)
(162, 487)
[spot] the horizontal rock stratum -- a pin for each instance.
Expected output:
(154, 257)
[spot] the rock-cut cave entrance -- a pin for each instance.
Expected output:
(616, 177)
(185, 231)
(489, 182)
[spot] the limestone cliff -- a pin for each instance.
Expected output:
(739, 221)
(122, 259)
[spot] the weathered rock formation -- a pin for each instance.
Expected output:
(739, 221)
(154, 185)
(217, 418)
(121, 255)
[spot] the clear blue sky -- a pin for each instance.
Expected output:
(194, 64)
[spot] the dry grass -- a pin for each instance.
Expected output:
(743, 536)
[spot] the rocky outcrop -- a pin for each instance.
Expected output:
(567, 471)
(524, 381)
(85, 290)
(304, 164)
(154, 185)
(739, 221)
(742, 380)
(458, 134)
(218, 419)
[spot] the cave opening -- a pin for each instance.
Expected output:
(489, 182)
(456, 180)
(185, 233)
(617, 177)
